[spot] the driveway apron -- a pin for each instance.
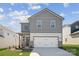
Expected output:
(47, 51)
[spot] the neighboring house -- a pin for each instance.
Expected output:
(8, 38)
(71, 33)
(44, 29)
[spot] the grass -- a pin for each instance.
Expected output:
(7, 52)
(74, 49)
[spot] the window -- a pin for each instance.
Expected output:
(8, 34)
(52, 25)
(23, 36)
(76, 26)
(39, 25)
(27, 41)
(25, 27)
(23, 39)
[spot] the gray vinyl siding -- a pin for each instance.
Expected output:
(25, 27)
(46, 18)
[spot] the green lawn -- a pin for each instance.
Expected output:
(7, 52)
(74, 49)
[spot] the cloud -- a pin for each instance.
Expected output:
(75, 12)
(18, 13)
(20, 16)
(46, 4)
(12, 4)
(66, 5)
(33, 6)
(36, 7)
(1, 17)
(10, 9)
(1, 10)
(62, 14)
(13, 22)
(24, 18)
(19, 19)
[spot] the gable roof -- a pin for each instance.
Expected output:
(51, 12)
(6, 28)
(75, 22)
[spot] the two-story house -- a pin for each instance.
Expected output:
(44, 29)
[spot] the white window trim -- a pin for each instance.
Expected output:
(54, 23)
(39, 22)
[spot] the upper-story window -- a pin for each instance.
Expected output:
(53, 25)
(39, 25)
(8, 34)
(76, 26)
(25, 27)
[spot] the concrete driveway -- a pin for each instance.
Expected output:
(49, 52)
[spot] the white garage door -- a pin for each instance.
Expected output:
(45, 42)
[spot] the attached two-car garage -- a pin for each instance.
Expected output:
(45, 41)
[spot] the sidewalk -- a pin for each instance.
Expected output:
(34, 54)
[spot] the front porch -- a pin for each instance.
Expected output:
(24, 40)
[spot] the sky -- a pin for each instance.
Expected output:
(12, 14)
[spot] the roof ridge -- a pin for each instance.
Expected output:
(48, 11)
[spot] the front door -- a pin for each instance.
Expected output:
(27, 41)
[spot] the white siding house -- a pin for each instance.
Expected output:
(68, 37)
(8, 38)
